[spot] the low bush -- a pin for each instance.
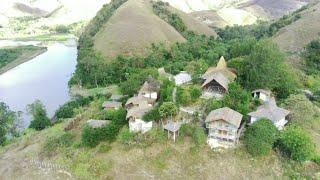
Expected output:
(64, 140)
(91, 137)
(125, 136)
(199, 136)
(260, 137)
(196, 133)
(296, 144)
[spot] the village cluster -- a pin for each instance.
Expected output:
(224, 125)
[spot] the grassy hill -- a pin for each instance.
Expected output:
(243, 12)
(134, 27)
(295, 36)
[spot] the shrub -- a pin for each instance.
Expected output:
(91, 137)
(195, 92)
(152, 115)
(64, 140)
(296, 144)
(199, 136)
(125, 136)
(67, 110)
(260, 137)
(168, 109)
(186, 130)
(104, 148)
(40, 119)
(62, 29)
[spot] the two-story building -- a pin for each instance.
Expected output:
(223, 125)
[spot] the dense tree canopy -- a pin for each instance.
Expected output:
(265, 68)
(312, 57)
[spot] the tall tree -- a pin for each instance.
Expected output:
(40, 119)
(8, 119)
(265, 68)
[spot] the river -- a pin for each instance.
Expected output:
(45, 78)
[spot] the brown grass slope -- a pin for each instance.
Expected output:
(294, 37)
(193, 24)
(132, 29)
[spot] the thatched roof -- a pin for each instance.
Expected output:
(270, 110)
(139, 100)
(220, 68)
(172, 126)
(219, 78)
(97, 123)
(265, 91)
(138, 112)
(226, 114)
(151, 85)
(111, 104)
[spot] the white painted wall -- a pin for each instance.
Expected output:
(139, 125)
(152, 95)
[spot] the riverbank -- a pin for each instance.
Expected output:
(25, 56)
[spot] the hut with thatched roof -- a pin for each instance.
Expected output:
(216, 79)
(223, 125)
(271, 111)
(150, 89)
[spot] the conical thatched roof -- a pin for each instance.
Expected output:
(222, 64)
(220, 68)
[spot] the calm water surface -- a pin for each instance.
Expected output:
(44, 77)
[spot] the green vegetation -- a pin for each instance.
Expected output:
(312, 57)
(260, 137)
(67, 110)
(8, 55)
(237, 99)
(188, 95)
(61, 141)
(91, 137)
(168, 109)
(8, 120)
(160, 9)
(196, 133)
(40, 119)
(296, 144)
(62, 29)
(265, 68)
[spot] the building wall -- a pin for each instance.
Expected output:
(152, 95)
(279, 124)
(139, 125)
(222, 130)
